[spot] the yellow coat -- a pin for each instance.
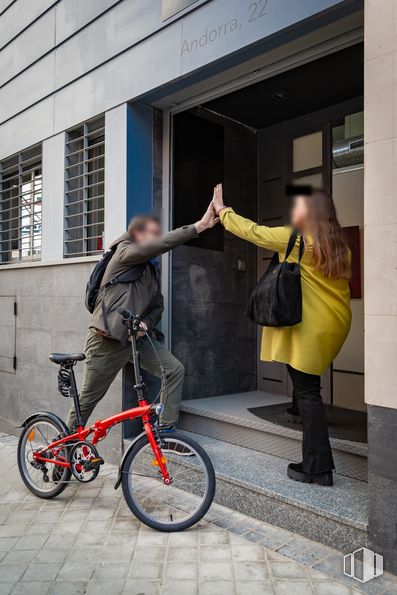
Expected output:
(313, 344)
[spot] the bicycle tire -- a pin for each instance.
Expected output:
(205, 504)
(58, 488)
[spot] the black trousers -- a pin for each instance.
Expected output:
(317, 455)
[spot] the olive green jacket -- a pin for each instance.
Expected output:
(142, 297)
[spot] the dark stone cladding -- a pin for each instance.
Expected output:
(382, 483)
(211, 334)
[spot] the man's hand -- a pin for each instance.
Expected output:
(143, 325)
(208, 220)
(217, 199)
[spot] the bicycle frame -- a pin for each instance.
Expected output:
(100, 428)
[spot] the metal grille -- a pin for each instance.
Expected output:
(21, 206)
(85, 189)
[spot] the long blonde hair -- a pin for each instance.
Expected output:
(330, 251)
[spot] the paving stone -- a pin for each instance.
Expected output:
(218, 587)
(34, 588)
(214, 537)
(181, 570)
(180, 587)
(140, 587)
(145, 570)
(211, 553)
(296, 587)
(216, 571)
(115, 587)
(111, 570)
(89, 542)
(12, 572)
(327, 587)
(76, 571)
(287, 570)
(177, 554)
(69, 588)
(38, 572)
(251, 570)
(254, 587)
(248, 553)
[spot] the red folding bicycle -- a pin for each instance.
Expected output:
(168, 480)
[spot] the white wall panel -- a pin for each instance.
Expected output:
(53, 197)
(28, 88)
(74, 14)
(32, 126)
(28, 47)
(19, 15)
(115, 172)
(4, 4)
(117, 30)
(108, 85)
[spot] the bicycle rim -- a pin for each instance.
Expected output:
(36, 437)
(185, 500)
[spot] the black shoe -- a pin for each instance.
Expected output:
(295, 472)
(293, 416)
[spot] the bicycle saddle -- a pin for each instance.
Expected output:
(62, 358)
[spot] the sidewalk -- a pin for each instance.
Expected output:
(87, 541)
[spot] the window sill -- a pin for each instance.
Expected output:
(50, 263)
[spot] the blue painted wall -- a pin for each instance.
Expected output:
(139, 159)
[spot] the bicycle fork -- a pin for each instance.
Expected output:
(139, 388)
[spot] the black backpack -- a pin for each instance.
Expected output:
(277, 299)
(94, 283)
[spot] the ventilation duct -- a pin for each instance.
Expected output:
(349, 151)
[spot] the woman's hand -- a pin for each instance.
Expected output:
(217, 199)
(208, 220)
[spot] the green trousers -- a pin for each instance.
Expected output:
(105, 358)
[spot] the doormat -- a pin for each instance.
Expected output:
(345, 424)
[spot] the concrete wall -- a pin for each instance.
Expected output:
(380, 220)
(64, 62)
(210, 333)
(51, 317)
(380, 205)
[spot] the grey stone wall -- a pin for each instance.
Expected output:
(51, 317)
(382, 483)
(210, 333)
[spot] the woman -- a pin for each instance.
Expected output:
(309, 347)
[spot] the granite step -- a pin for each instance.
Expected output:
(256, 484)
(227, 418)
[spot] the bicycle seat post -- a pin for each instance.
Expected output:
(75, 395)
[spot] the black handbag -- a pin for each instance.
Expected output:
(277, 299)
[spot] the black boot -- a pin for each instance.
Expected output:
(293, 416)
(295, 472)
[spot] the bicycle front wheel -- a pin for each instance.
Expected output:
(185, 500)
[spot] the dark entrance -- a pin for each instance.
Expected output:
(277, 131)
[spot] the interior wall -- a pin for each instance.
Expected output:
(348, 367)
(211, 335)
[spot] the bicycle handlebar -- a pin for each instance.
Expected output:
(125, 314)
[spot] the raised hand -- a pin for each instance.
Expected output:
(217, 199)
(208, 220)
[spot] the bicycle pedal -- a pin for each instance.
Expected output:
(93, 464)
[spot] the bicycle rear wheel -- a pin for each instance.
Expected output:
(45, 480)
(173, 507)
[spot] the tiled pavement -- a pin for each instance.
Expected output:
(87, 541)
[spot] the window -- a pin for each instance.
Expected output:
(85, 188)
(20, 206)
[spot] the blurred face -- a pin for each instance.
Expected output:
(150, 232)
(299, 216)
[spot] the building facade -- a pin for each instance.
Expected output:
(110, 108)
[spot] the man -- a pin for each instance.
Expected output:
(107, 347)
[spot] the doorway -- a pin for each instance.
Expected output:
(257, 140)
